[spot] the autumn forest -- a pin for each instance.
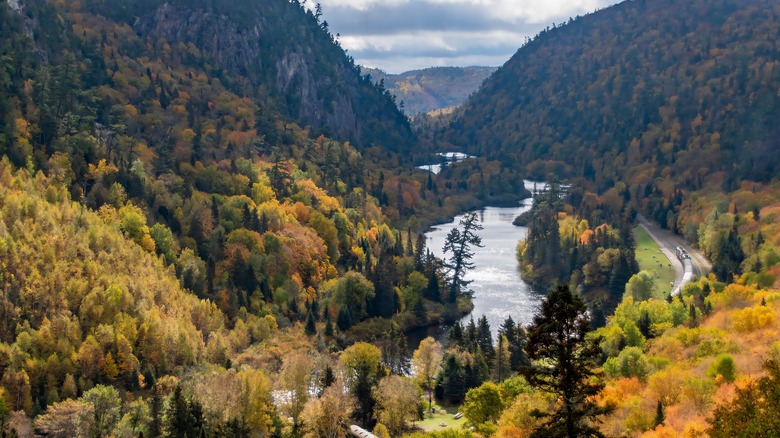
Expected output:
(212, 223)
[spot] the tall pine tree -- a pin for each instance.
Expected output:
(564, 365)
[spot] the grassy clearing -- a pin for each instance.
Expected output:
(441, 419)
(650, 258)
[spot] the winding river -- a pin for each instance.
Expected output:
(499, 290)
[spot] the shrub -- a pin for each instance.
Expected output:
(753, 318)
(725, 367)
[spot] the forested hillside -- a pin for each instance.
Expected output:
(206, 214)
(641, 90)
(430, 89)
(275, 51)
(171, 226)
(668, 108)
(663, 106)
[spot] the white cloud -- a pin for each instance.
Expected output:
(398, 35)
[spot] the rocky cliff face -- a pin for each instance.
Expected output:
(232, 47)
(286, 54)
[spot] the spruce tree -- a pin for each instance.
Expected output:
(455, 335)
(419, 253)
(729, 256)
(516, 338)
(328, 325)
(485, 338)
(659, 414)
(311, 325)
(433, 291)
(451, 383)
(564, 365)
(184, 417)
(156, 412)
(327, 379)
(645, 325)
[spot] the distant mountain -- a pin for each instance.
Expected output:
(639, 91)
(430, 89)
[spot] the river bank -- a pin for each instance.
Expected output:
(499, 289)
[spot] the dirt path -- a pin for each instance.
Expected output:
(668, 242)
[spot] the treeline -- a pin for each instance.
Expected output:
(563, 247)
(472, 357)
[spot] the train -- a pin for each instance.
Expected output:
(682, 254)
(687, 263)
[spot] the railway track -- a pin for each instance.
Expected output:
(687, 261)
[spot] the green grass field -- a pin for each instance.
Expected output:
(442, 416)
(650, 258)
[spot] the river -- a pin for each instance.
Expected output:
(499, 290)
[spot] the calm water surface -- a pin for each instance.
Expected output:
(499, 290)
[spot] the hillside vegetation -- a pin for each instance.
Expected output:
(666, 108)
(203, 225)
(172, 227)
(642, 90)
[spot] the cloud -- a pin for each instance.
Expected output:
(398, 35)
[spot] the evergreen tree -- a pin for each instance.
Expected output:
(564, 365)
(597, 318)
(459, 243)
(344, 319)
(470, 336)
(659, 414)
(394, 351)
(327, 379)
(156, 411)
(409, 250)
(451, 383)
(476, 371)
(502, 368)
(184, 417)
(516, 340)
(419, 253)
(644, 325)
(433, 291)
(729, 256)
(328, 325)
(692, 320)
(311, 325)
(383, 276)
(507, 328)
(455, 335)
(621, 273)
(485, 338)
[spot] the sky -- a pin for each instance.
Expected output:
(402, 35)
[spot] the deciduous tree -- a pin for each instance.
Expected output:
(362, 365)
(329, 415)
(295, 379)
(426, 362)
(397, 400)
